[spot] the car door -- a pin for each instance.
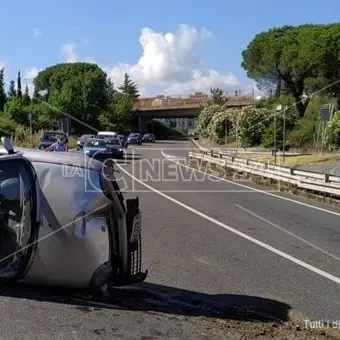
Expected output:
(18, 216)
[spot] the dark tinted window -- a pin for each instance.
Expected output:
(114, 141)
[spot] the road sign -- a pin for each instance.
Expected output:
(29, 116)
(326, 112)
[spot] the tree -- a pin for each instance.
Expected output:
(218, 95)
(129, 87)
(2, 90)
(36, 96)
(300, 59)
(26, 99)
(12, 93)
(19, 91)
(77, 89)
(15, 110)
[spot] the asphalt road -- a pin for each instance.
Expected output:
(224, 238)
(213, 248)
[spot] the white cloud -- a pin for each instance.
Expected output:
(169, 62)
(31, 73)
(206, 34)
(69, 52)
(36, 32)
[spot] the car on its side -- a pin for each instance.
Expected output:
(148, 138)
(82, 140)
(103, 149)
(66, 223)
(134, 138)
(50, 137)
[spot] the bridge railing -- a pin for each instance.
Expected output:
(162, 101)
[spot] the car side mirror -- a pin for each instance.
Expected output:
(6, 141)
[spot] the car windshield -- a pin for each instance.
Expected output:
(134, 135)
(103, 136)
(95, 143)
(15, 214)
(52, 137)
(113, 141)
(84, 137)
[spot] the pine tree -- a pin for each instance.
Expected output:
(2, 90)
(36, 96)
(19, 92)
(26, 97)
(129, 87)
(12, 93)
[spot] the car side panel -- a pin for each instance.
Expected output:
(65, 254)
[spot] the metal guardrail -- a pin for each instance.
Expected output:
(323, 183)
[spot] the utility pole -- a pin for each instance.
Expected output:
(278, 109)
(284, 134)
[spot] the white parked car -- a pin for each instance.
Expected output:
(106, 134)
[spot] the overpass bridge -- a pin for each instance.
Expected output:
(180, 107)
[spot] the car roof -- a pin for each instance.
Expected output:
(54, 132)
(62, 158)
(108, 133)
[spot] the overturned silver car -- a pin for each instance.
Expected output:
(64, 222)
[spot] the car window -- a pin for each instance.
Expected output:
(84, 137)
(52, 137)
(95, 143)
(15, 214)
(113, 141)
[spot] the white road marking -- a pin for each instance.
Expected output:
(287, 232)
(239, 233)
(253, 189)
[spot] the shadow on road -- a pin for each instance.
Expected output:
(160, 298)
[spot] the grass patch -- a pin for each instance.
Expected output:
(292, 161)
(23, 138)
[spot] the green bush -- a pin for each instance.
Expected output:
(205, 116)
(332, 134)
(252, 124)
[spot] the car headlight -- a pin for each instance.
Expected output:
(78, 142)
(120, 149)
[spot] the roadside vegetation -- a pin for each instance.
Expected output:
(297, 67)
(81, 90)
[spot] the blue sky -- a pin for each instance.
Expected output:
(108, 33)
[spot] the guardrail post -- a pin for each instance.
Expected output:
(211, 153)
(220, 154)
(247, 161)
(291, 171)
(326, 178)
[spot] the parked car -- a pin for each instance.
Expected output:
(148, 138)
(82, 140)
(134, 138)
(103, 148)
(50, 137)
(66, 223)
